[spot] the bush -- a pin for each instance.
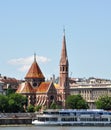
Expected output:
(30, 108)
(37, 108)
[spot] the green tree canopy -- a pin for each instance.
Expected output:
(30, 108)
(3, 103)
(37, 108)
(53, 105)
(9, 91)
(104, 102)
(76, 102)
(16, 102)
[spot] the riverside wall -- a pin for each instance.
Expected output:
(16, 118)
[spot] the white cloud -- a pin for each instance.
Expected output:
(23, 68)
(23, 64)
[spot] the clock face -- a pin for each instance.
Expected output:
(34, 84)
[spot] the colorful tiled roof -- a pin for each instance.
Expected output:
(25, 87)
(43, 88)
(34, 71)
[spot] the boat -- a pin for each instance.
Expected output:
(66, 117)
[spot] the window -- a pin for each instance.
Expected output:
(51, 97)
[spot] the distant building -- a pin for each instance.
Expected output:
(91, 89)
(8, 82)
(1, 87)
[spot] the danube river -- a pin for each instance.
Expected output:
(52, 128)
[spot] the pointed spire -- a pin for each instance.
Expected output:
(64, 31)
(34, 57)
(64, 59)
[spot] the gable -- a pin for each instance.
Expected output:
(43, 88)
(25, 88)
(46, 87)
(52, 89)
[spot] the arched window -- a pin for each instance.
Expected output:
(63, 68)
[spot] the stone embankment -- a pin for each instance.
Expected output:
(16, 118)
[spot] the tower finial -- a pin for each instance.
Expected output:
(64, 30)
(34, 57)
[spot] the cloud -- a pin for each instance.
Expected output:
(23, 64)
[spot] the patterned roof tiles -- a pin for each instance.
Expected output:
(34, 71)
(43, 88)
(25, 88)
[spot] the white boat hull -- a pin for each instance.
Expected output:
(39, 123)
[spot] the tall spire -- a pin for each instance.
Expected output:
(64, 31)
(64, 72)
(64, 65)
(64, 58)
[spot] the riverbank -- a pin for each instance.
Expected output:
(16, 118)
(11, 121)
(25, 119)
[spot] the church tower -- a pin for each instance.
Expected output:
(64, 73)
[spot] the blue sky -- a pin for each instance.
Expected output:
(28, 26)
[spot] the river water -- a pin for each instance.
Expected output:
(52, 128)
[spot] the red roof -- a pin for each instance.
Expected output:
(25, 88)
(9, 80)
(34, 71)
(43, 88)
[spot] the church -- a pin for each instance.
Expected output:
(42, 93)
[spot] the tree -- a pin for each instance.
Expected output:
(9, 91)
(104, 102)
(37, 108)
(16, 102)
(12, 103)
(30, 108)
(76, 102)
(53, 105)
(3, 103)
